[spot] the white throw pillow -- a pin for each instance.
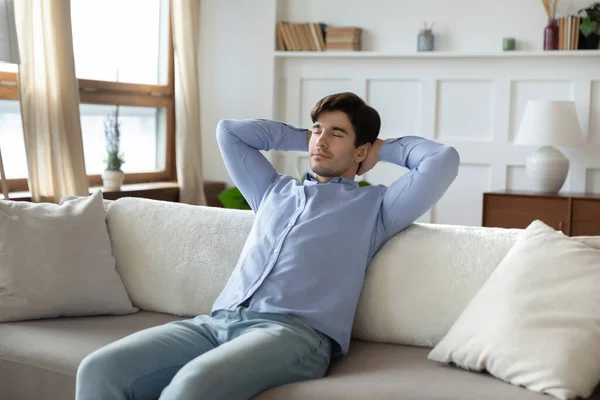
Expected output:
(56, 260)
(175, 258)
(536, 321)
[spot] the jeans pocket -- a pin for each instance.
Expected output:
(320, 339)
(316, 363)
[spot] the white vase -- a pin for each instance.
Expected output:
(112, 180)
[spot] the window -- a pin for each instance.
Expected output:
(11, 130)
(141, 141)
(121, 40)
(11, 140)
(8, 67)
(123, 56)
(130, 65)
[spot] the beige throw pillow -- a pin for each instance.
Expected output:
(536, 320)
(56, 260)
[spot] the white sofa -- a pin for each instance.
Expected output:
(174, 259)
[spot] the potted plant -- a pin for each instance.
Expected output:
(589, 26)
(112, 177)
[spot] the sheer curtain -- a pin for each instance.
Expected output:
(50, 100)
(185, 23)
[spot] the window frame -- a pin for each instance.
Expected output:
(125, 94)
(9, 90)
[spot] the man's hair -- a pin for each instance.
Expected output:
(364, 118)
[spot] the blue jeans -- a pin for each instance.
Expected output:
(233, 355)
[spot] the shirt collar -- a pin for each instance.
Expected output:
(309, 180)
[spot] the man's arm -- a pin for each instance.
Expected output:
(433, 167)
(240, 142)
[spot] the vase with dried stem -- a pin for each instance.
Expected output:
(551, 30)
(425, 40)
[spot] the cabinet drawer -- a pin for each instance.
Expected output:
(518, 212)
(580, 228)
(586, 210)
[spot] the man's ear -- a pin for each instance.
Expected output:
(362, 152)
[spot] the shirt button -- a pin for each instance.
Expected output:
(275, 251)
(289, 225)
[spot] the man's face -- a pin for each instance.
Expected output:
(331, 146)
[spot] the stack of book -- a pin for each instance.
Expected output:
(568, 32)
(343, 38)
(300, 36)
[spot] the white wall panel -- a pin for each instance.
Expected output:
(462, 203)
(593, 181)
(594, 133)
(473, 104)
(516, 178)
(399, 105)
(465, 110)
(312, 90)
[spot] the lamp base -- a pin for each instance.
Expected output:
(547, 169)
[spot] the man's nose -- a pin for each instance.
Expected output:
(321, 140)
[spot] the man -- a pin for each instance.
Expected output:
(289, 305)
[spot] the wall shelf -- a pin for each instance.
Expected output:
(437, 54)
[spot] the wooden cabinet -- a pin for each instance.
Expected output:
(572, 213)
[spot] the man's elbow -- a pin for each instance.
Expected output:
(224, 128)
(226, 132)
(451, 160)
(449, 163)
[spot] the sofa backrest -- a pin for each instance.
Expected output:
(421, 279)
(176, 258)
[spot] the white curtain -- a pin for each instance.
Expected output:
(185, 23)
(50, 100)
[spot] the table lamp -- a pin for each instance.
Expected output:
(547, 124)
(9, 52)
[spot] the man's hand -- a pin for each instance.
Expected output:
(372, 158)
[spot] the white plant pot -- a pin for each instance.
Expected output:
(112, 180)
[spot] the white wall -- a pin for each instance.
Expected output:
(460, 25)
(237, 41)
(473, 103)
(236, 69)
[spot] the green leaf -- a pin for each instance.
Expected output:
(233, 198)
(588, 27)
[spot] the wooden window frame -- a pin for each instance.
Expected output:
(10, 91)
(124, 94)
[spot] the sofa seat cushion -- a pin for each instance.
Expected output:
(39, 359)
(391, 372)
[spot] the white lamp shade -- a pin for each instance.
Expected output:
(9, 48)
(550, 123)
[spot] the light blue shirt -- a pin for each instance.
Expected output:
(310, 244)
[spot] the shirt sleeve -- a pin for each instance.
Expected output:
(240, 142)
(432, 168)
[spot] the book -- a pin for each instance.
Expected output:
(343, 38)
(304, 36)
(281, 45)
(568, 32)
